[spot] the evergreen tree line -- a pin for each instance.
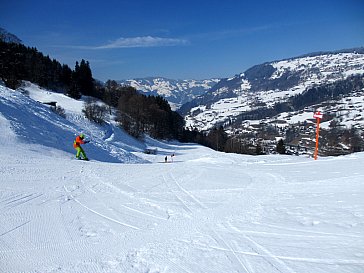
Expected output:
(18, 62)
(140, 114)
(219, 140)
(215, 138)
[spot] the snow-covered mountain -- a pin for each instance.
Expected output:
(265, 85)
(126, 211)
(176, 92)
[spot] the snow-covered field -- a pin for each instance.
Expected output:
(126, 211)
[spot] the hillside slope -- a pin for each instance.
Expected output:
(203, 211)
(35, 123)
(263, 86)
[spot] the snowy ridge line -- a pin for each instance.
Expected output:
(323, 160)
(101, 215)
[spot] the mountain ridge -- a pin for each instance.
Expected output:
(183, 95)
(176, 92)
(266, 84)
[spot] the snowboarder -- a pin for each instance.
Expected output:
(77, 145)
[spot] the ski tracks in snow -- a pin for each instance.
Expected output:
(228, 249)
(69, 193)
(15, 228)
(277, 260)
(112, 203)
(247, 235)
(244, 252)
(186, 198)
(17, 200)
(28, 230)
(103, 215)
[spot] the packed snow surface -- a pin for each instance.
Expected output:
(203, 211)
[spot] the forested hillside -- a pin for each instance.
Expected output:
(138, 114)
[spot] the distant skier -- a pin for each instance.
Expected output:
(165, 159)
(77, 145)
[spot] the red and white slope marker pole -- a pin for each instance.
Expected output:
(318, 117)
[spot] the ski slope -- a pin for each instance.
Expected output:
(126, 211)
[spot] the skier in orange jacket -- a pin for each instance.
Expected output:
(77, 145)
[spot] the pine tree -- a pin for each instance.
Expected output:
(216, 139)
(74, 89)
(258, 149)
(84, 78)
(280, 148)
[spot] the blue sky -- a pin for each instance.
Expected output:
(189, 39)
